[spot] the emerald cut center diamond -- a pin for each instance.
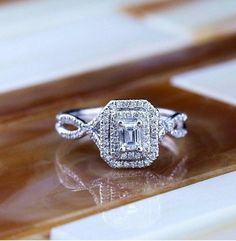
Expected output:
(130, 133)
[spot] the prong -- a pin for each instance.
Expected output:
(139, 148)
(139, 123)
(122, 148)
(120, 123)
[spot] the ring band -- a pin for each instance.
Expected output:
(127, 132)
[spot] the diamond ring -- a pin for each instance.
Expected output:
(127, 132)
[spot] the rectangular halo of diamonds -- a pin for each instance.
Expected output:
(129, 133)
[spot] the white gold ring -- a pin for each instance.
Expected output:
(127, 132)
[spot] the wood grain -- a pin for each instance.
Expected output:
(84, 86)
(148, 7)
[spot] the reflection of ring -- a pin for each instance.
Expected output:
(80, 170)
(127, 132)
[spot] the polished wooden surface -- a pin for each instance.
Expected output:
(46, 181)
(84, 86)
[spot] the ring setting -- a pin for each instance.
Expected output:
(127, 132)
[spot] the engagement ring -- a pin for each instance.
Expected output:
(127, 132)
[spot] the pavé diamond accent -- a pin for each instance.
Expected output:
(66, 119)
(129, 133)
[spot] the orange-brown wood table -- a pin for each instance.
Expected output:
(46, 181)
